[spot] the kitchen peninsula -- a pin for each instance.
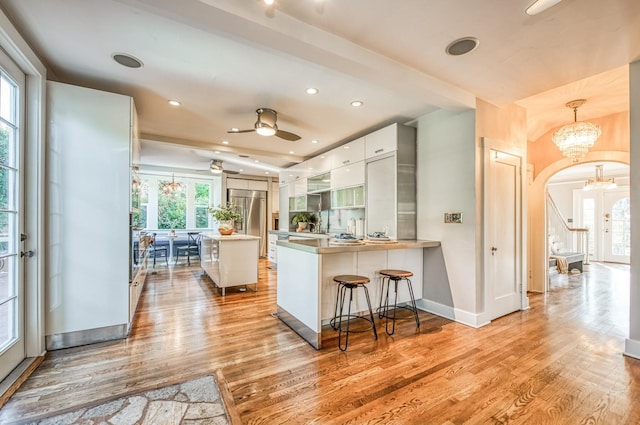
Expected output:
(230, 260)
(306, 293)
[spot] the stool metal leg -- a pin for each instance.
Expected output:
(395, 308)
(413, 304)
(335, 313)
(381, 311)
(346, 338)
(373, 323)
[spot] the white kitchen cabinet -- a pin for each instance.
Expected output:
(272, 253)
(382, 141)
(88, 155)
(348, 175)
(319, 164)
(283, 206)
(391, 188)
(247, 184)
(348, 153)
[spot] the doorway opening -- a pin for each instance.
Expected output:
(599, 216)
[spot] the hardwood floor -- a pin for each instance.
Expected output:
(560, 362)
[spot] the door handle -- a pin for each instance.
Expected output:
(493, 250)
(27, 254)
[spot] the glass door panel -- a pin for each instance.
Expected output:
(12, 350)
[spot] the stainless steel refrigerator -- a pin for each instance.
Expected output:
(252, 206)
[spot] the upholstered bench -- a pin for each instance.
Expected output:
(574, 259)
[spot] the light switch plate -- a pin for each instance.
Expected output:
(453, 217)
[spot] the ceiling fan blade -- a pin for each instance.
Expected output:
(287, 136)
(242, 131)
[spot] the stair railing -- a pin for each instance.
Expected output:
(569, 239)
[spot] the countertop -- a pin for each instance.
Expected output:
(309, 235)
(322, 246)
(232, 237)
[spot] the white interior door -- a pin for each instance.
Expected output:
(12, 341)
(616, 226)
(502, 231)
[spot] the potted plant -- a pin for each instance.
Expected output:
(302, 219)
(226, 217)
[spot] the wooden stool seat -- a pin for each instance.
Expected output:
(387, 310)
(350, 282)
(351, 279)
(396, 273)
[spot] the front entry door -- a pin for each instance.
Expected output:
(616, 226)
(502, 230)
(12, 332)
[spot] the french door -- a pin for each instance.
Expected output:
(12, 332)
(616, 237)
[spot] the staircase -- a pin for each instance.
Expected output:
(566, 239)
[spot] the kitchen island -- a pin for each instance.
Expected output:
(230, 260)
(306, 293)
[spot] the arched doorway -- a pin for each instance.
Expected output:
(593, 196)
(538, 275)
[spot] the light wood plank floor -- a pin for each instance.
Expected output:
(560, 362)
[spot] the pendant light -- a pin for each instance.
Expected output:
(575, 139)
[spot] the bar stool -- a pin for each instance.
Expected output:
(395, 276)
(349, 282)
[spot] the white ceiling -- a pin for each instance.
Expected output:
(223, 59)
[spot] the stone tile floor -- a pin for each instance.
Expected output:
(196, 402)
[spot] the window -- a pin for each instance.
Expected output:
(621, 227)
(202, 205)
(186, 208)
(588, 221)
(172, 206)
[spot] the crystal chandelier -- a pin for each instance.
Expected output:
(575, 139)
(171, 188)
(600, 182)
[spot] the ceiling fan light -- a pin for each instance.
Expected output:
(264, 129)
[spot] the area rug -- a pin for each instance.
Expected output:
(197, 401)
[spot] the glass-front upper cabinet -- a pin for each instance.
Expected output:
(319, 183)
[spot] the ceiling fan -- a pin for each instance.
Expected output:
(215, 166)
(266, 126)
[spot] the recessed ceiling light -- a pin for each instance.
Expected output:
(216, 151)
(314, 141)
(266, 172)
(127, 60)
(174, 103)
(312, 90)
(462, 46)
(256, 161)
(234, 129)
(357, 103)
(269, 2)
(540, 6)
(291, 152)
(241, 170)
(225, 142)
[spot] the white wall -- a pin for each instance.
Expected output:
(562, 195)
(632, 345)
(446, 181)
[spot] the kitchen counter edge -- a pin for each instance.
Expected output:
(333, 249)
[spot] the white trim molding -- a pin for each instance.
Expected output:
(461, 316)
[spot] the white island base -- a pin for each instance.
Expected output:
(306, 293)
(230, 260)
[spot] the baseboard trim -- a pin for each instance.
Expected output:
(16, 378)
(308, 334)
(632, 348)
(451, 313)
(84, 337)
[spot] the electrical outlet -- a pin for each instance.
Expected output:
(453, 217)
